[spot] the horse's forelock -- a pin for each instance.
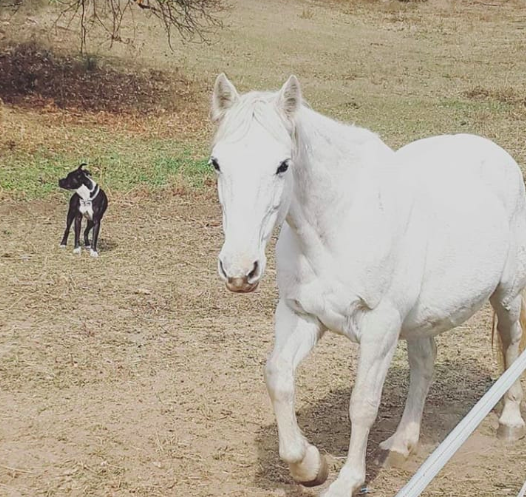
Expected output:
(254, 107)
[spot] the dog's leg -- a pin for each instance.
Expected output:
(69, 221)
(86, 232)
(96, 229)
(78, 222)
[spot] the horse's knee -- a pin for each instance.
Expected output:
(363, 412)
(279, 379)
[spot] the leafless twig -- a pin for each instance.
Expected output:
(189, 18)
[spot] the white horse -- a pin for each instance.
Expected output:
(376, 246)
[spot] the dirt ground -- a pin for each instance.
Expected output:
(139, 374)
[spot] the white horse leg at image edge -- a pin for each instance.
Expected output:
(447, 449)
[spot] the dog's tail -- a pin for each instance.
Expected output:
(522, 321)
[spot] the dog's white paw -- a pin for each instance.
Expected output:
(77, 250)
(62, 245)
(93, 253)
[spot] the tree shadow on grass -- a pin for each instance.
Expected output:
(33, 75)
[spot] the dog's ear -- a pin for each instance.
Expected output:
(85, 171)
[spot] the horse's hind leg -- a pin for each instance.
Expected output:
(511, 424)
(422, 353)
(295, 337)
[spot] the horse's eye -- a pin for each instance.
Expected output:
(215, 164)
(283, 167)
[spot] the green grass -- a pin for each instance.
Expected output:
(403, 71)
(118, 166)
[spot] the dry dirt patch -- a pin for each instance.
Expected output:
(137, 374)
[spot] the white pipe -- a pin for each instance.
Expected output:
(445, 451)
(522, 493)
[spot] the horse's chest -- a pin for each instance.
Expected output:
(86, 208)
(328, 306)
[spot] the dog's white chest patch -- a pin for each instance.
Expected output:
(86, 208)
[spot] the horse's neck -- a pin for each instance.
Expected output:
(330, 160)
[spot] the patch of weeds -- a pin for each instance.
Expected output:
(307, 13)
(118, 167)
(502, 95)
(90, 62)
(474, 106)
(197, 171)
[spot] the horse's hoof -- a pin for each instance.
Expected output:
(391, 459)
(94, 253)
(511, 433)
(321, 477)
(77, 250)
(62, 245)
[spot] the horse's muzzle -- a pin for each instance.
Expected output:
(241, 285)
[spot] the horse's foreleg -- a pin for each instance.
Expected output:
(379, 336)
(295, 338)
(422, 353)
(511, 424)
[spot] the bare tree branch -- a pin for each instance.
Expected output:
(190, 19)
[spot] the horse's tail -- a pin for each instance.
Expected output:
(522, 321)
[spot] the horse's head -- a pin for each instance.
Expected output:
(252, 155)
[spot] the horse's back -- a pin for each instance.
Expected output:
(464, 159)
(472, 193)
(463, 169)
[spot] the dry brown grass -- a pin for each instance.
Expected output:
(137, 374)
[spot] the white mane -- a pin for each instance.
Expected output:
(346, 139)
(253, 108)
(261, 109)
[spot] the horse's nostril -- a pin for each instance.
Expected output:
(254, 271)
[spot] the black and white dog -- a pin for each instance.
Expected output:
(89, 201)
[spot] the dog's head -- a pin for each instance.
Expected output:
(75, 179)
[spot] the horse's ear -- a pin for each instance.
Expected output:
(289, 98)
(225, 96)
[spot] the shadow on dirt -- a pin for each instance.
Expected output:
(326, 422)
(107, 244)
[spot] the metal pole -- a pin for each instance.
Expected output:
(445, 451)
